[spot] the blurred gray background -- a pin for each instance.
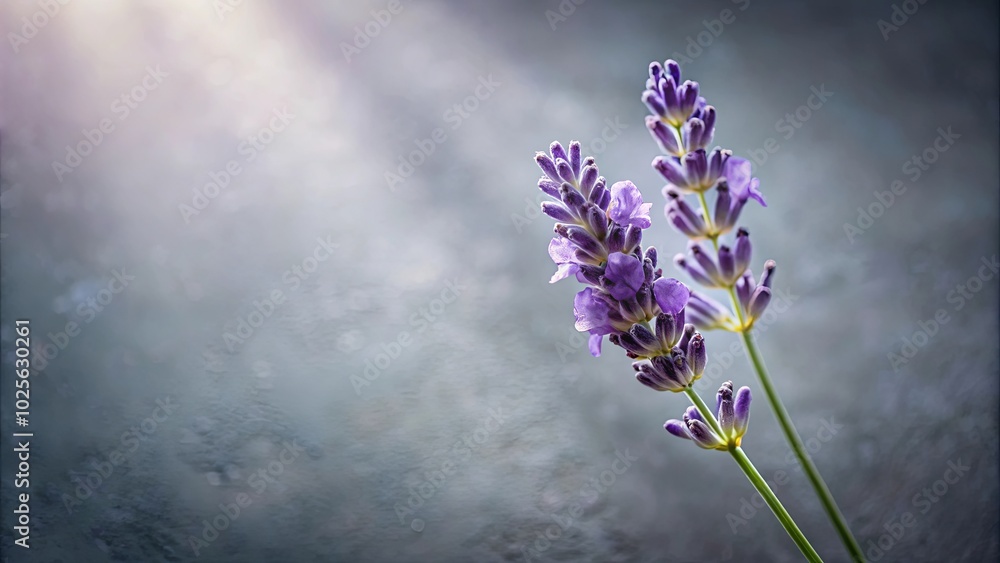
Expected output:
(376, 368)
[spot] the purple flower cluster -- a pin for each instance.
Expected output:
(733, 417)
(599, 236)
(683, 125)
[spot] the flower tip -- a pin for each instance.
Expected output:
(677, 428)
(741, 409)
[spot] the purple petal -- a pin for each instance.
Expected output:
(753, 192)
(561, 250)
(677, 428)
(626, 207)
(737, 172)
(595, 344)
(741, 408)
(671, 295)
(703, 435)
(591, 313)
(671, 170)
(724, 405)
(564, 271)
(557, 152)
(759, 301)
(692, 413)
(625, 274)
(563, 253)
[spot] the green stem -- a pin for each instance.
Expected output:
(785, 421)
(772, 501)
(758, 482)
(708, 220)
(822, 491)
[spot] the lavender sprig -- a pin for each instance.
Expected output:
(682, 128)
(627, 298)
(599, 242)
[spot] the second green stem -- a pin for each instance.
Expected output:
(785, 421)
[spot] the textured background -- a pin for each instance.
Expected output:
(500, 366)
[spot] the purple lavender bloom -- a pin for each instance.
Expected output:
(626, 207)
(664, 136)
(754, 298)
(729, 203)
(623, 275)
(671, 295)
(702, 268)
(732, 414)
(738, 173)
(693, 427)
(563, 253)
(669, 99)
(599, 242)
(697, 133)
(696, 171)
(675, 370)
(708, 314)
(592, 315)
(591, 312)
(594, 221)
(683, 217)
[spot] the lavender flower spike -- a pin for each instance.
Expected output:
(593, 221)
(732, 415)
(667, 97)
(674, 372)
